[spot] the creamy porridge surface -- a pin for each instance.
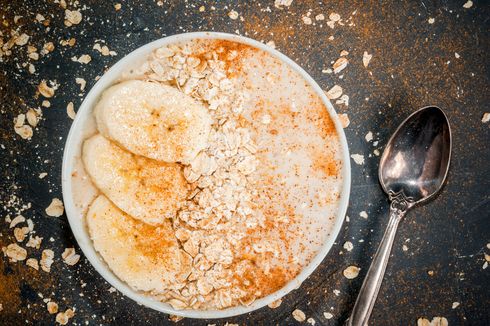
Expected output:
(215, 182)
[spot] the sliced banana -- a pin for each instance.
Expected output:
(146, 257)
(148, 190)
(154, 120)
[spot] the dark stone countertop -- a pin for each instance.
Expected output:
(413, 65)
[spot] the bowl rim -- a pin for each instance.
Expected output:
(81, 234)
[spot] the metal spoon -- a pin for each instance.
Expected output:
(412, 169)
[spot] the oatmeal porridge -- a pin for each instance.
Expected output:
(214, 175)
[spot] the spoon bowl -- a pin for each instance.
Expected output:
(412, 169)
(416, 159)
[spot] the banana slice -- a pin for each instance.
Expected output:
(148, 190)
(154, 120)
(146, 257)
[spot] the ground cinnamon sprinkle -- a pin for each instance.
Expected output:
(232, 54)
(9, 291)
(323, 121)
(256, 283)
(324, 163)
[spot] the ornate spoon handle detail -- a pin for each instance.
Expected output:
(374, 277)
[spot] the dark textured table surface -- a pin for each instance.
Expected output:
(424, 52)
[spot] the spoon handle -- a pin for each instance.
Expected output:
(370, 287)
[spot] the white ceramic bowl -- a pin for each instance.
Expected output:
(76, 137)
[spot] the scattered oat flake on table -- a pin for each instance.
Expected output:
(344, 119)
(340, 64)
(436, 321)
(351, 272)
(334, 92)
(279, 3)
(21, 40)
(358, 158)
(344, 99)
(42, 175)
(311, 321)
(487, 257)
(334, 17)
(275, 304)
(175, 318)
(72, 17)
(456, 55)
(104, 50)
(233, 14)
(272, 44)
(320, 17)
(404, 248)
(299, 315)
(486, 117)
(69, 42)
(56, 208)
(348, 246)
(366, 58)
(369, 136)
(15, 252)
(33, 263)
(24, 131)
(63, 317)
(33, 116)
(327, 315)
(431, 20)
(21, 233)
(47, 258)
(33, 55)
(307, 20)
(47, 47)
(30, 225)
(46, 90)
(343, 53)
(17, 220)
(363, 214)
(34, 242)
(70, 257)
(84, 58)
(468, 4)
(455, 305)
(40, 17)
(52, 307)
(117, 6)
(82, 82)
(70, 110)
